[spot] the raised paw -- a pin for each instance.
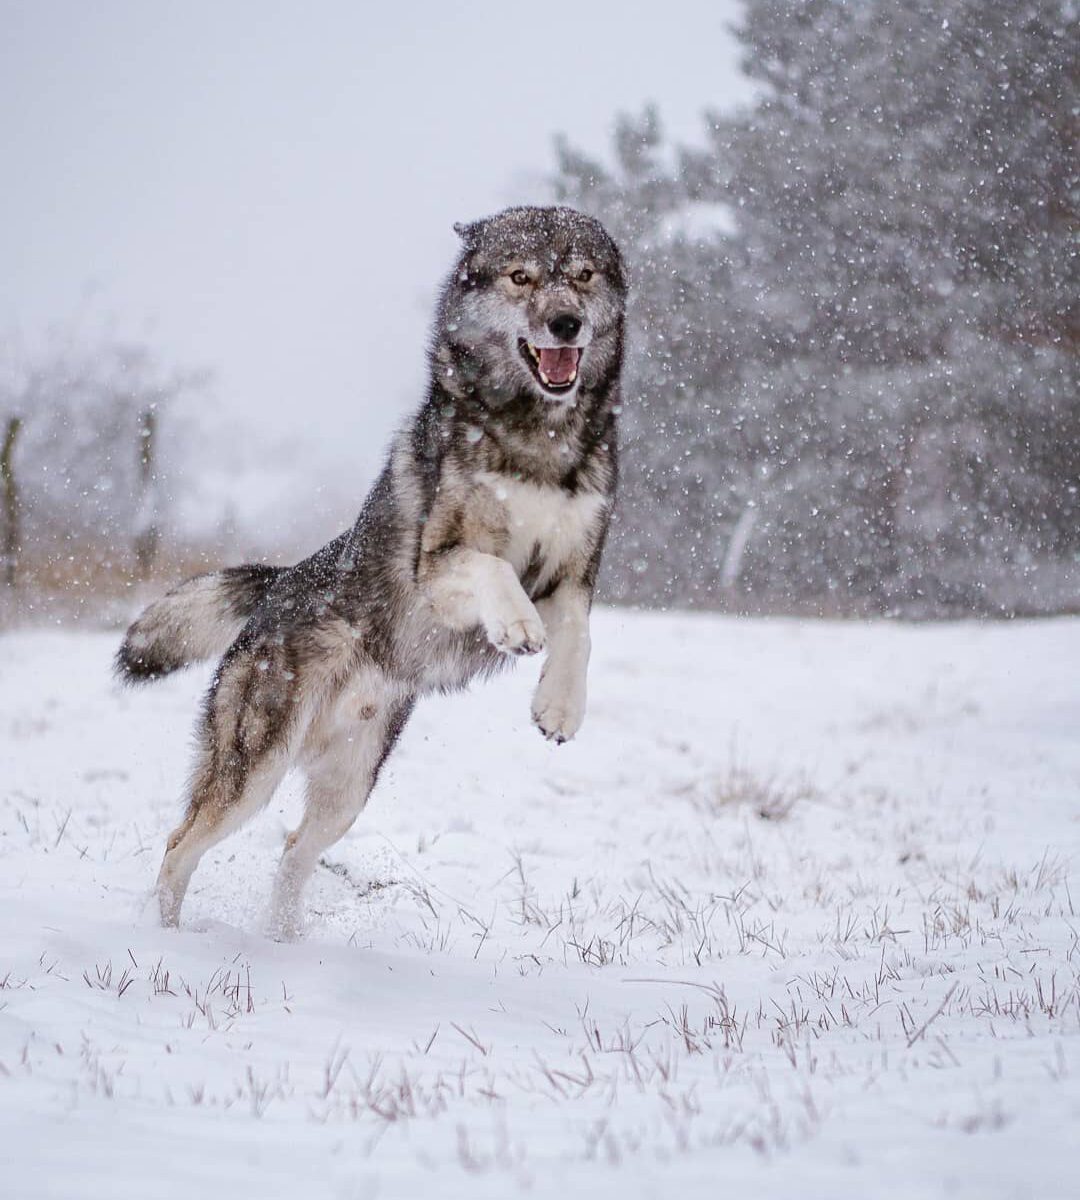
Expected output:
(558, 717)
(525, 636)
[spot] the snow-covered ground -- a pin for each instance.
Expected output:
(792, 917)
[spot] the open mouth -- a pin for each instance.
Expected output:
(555, 367)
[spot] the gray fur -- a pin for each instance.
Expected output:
(195, 621)
(479, 541)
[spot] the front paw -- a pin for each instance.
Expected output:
(522, 636)
(558, 715)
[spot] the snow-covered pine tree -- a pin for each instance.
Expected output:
(679, 469)
(874, 376)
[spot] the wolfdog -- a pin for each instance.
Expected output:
(479, 541)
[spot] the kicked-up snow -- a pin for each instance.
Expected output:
(795, 915)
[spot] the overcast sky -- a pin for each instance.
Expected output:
(267, 189)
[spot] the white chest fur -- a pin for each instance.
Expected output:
(543, 520)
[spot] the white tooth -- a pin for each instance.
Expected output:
(544, 379)
(573, 375)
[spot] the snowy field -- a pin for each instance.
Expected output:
(791, 918)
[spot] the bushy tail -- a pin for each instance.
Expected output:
(197, 620)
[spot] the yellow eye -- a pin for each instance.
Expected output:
(584, 275)
(519, 278)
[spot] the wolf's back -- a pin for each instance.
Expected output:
(197, 620)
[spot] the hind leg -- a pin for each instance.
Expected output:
(243, 754)
(214, 812)
(342, 759)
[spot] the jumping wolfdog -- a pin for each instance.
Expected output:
(479, 541)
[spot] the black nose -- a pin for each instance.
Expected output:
(565, 326)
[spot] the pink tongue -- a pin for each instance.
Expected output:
(558, 364)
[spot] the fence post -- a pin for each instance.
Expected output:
(11, 500)
(147, 533)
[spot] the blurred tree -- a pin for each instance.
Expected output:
(864, 393)
(89, 453)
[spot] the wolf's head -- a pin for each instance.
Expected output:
(534, 308)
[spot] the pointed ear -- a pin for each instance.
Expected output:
(470, 231)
